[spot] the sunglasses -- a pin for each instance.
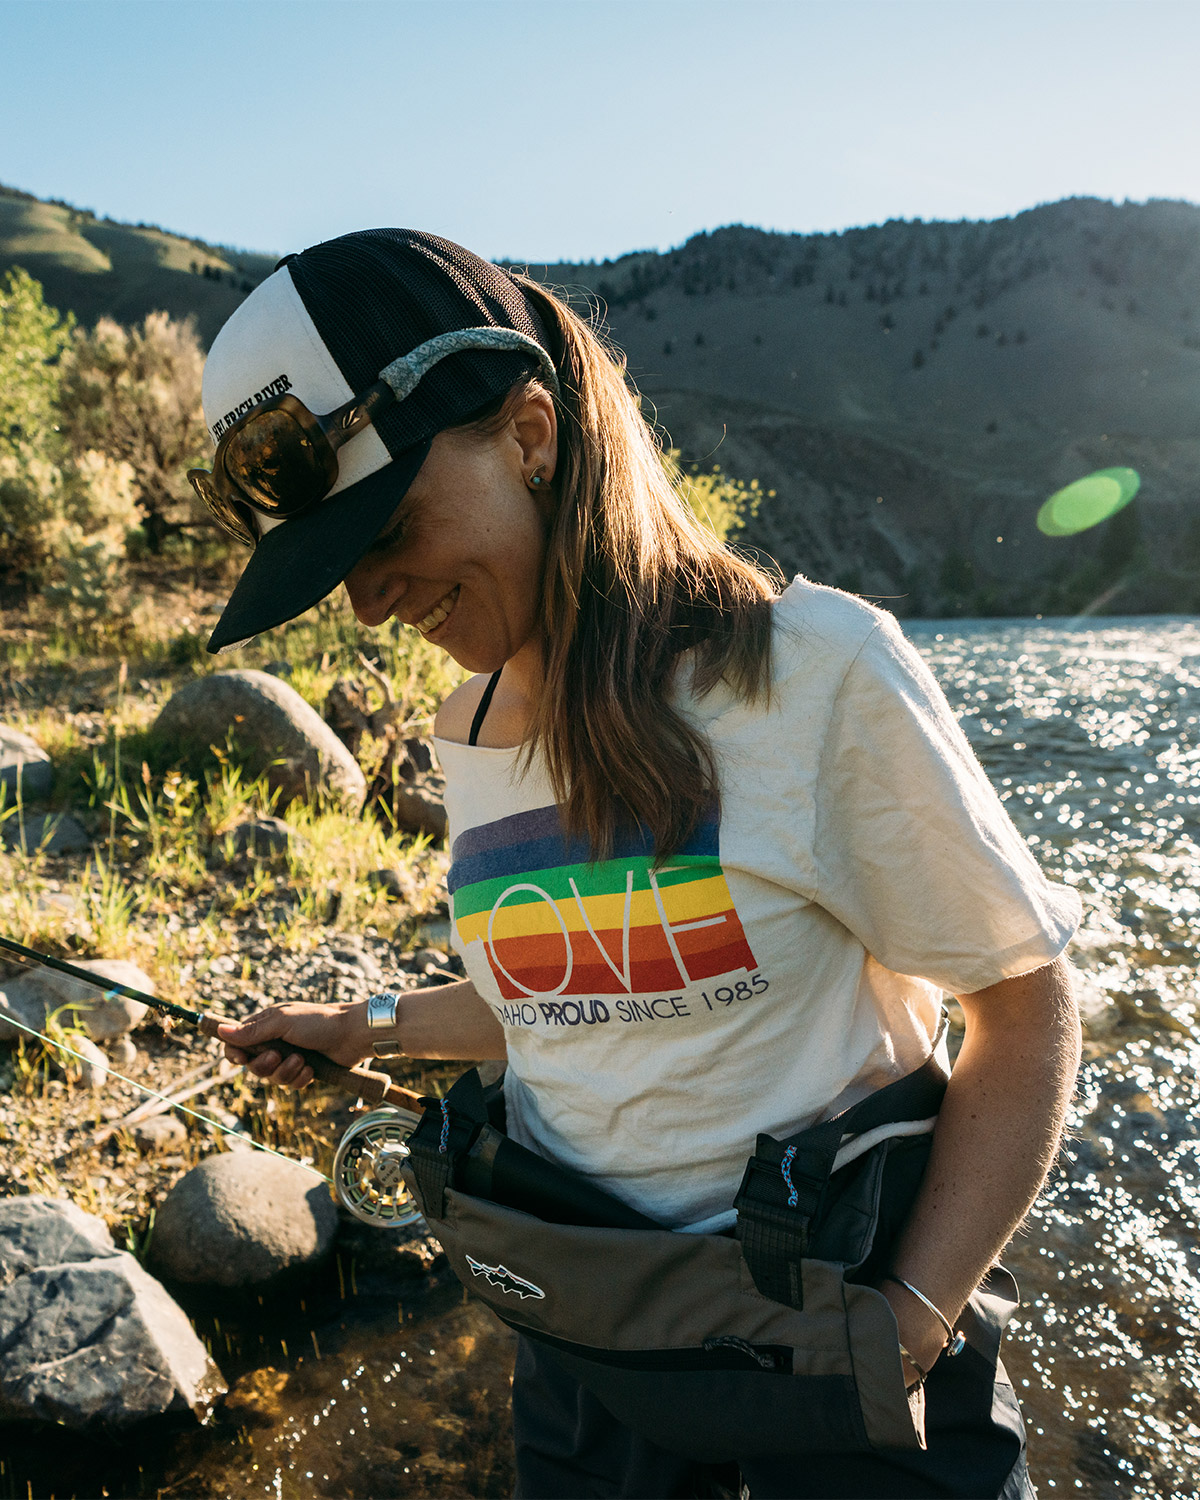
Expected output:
(280, 460)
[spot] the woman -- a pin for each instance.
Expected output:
(716, 853)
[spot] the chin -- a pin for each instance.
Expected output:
(478, 658)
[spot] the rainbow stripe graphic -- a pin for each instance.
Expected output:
(553, 923)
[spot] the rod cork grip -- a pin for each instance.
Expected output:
(378, 1088)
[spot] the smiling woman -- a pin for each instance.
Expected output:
(685, 814)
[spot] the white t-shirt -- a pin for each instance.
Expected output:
(788, 961)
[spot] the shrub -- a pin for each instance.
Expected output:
(134, 395)
(721, 502)
(64, 515)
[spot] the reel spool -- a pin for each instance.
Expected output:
(366, 1169)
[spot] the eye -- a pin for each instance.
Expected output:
(393, 536)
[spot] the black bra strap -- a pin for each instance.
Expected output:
(484, 704)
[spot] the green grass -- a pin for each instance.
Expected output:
(161, 823)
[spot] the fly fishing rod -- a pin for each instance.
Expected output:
(368, 1166)
(376, 1088)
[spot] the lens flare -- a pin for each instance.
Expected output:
(1088, 501)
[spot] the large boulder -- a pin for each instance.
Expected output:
(44, 833)
(25, 767)
(272, 725)
(242, 1219)
(33, 997)
(86, 1336)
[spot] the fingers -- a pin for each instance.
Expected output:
(265, 1041)
(263, 1027)
(246, 1046)
(281, 1067)
(292, 1072)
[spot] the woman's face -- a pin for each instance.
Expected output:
(462, 559)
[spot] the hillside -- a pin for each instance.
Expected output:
(97, 267)
(911, 392)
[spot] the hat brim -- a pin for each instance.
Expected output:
(297, 564)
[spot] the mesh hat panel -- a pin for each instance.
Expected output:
(419, 286)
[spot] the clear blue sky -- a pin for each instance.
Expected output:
(577, 129)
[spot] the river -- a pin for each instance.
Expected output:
(1090, 731)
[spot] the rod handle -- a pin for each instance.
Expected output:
(363, 1083)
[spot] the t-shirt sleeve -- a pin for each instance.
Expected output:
(915, 853)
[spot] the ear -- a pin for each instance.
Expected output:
(535, 431)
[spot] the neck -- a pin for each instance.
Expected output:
(524, 676)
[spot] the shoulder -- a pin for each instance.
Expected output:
(453, 721)
(823, 630)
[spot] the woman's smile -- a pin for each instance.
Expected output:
(439, 614)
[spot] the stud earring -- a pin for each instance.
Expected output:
(535, 479)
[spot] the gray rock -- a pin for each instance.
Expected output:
(278, 731)
(358, 958)
(58, 902)
(38, 1231)
(396, 885)
(87, 1337)
(123, 1054)
(241, 1219)
(261, 838)
(32, 998)
(49, 833)
(25, 768)
(418, 806)
(160, 1133)
(90, 1064)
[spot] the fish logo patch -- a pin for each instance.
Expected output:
(502, 1277)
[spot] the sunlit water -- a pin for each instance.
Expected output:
(1091, 733)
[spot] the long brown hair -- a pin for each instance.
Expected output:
(633, 578)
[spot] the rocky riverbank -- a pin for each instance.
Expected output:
(226, 841)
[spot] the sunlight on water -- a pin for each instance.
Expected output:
(1091, 733)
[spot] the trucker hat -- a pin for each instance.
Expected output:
(322, 327)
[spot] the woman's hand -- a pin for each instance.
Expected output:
(339, 1031)
(921, 1335)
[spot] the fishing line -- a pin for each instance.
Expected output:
(154, 1094)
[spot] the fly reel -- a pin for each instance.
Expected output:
(367, 1169)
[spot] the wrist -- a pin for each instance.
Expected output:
(383, 1024)
(922, 1340)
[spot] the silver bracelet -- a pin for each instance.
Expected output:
(381, 1010)
(955, 1338)
(381, 1015)
(922, 1372)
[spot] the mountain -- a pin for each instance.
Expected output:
(97, 267)
(911, 392)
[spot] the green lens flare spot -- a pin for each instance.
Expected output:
(1088, 501)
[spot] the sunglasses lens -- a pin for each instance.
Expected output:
(225, 512)
(273, 461)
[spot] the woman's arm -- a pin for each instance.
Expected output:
(449, 1020)
(997, 1135)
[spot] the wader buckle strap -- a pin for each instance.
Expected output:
(776, 1203)
(444, 1135)
(784, 1181)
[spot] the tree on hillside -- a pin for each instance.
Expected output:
(32, 339)
(723, 503)
(134, 394)
(64, 515)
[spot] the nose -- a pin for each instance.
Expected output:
(375, 587)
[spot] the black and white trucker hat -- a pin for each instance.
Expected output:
(322, 327)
